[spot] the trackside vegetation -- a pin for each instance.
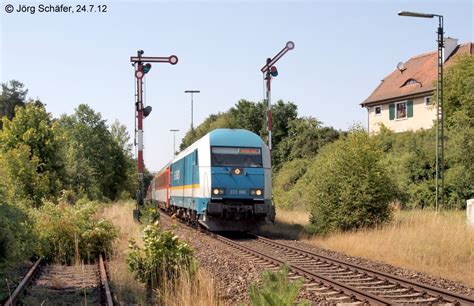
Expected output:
(71, 233)
(276, 289)
(162, 258)
(347, 186)
(53, 173)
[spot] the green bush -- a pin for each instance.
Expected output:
(69, 233)
(285, 195)
(348, 186)
(162, 257)
(276, 290)
(16, 235)
(29, 155)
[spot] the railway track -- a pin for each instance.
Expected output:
(332, 281)
(378, 286)
(64, 285)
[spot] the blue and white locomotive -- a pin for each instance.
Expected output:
(223, 181)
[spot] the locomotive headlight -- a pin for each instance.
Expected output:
(258, 192)
(217, 191)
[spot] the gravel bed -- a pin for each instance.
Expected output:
(383, 267)
(232, 274)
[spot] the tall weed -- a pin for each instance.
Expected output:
(162, 257)
(276, 290)
(67, 233)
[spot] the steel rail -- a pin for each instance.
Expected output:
(452, 297)
(346, 289)
(105, 282)
(24, 282)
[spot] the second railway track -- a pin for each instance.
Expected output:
(63, 285)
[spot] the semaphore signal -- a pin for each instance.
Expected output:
(270, 71)
(142, 66)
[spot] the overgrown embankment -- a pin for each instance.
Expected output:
(157, 267)
(439, 244)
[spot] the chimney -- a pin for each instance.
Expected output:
(450, 45)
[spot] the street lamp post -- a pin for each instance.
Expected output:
(192, 92)
(174, 141)
(439, 112)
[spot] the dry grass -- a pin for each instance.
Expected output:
(125, 288)
(437, 244)
(197, 290)
(187, 290)
(289, 224)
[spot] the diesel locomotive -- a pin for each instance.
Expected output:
(222, 181)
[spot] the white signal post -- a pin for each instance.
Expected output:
(269, 71)
(138, 62)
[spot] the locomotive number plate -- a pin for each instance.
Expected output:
(237, 192)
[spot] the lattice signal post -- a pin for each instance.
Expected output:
(142, 66)
(270, 71)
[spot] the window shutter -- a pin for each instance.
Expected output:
(391, 111)
(410, 108)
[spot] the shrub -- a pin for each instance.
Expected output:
(68, 233)
(347, 185)
(30, 160)
(276, 290)
(162, 257)
(285, 195)
(16, 235)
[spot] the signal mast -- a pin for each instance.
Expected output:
(142, 66)
(270, 71)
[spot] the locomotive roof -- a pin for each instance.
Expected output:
(234, 138)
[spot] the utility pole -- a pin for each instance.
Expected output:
(192, 92)
(270, 71)
(439, 106)
(174, 141)
(142, 66)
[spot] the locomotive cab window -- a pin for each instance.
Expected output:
(236, 157)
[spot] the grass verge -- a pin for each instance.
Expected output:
(289, 224)
(439, 244)
(187, 290)
(125, 288)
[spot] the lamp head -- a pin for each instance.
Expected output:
(414, 14)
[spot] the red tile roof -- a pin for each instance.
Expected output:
(422, 68)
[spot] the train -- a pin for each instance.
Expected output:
(223, 182)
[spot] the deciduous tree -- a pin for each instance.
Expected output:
(30, 157)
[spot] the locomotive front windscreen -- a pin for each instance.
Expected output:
(236, 157)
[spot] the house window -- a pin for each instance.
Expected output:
(411, 82)
(401, 110)
(428, 101)
(378, 110)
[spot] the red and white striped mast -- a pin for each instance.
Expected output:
(270, 71)
(142, 66)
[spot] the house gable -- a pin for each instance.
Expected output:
(417, 78)
(406, 90)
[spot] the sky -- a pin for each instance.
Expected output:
(342, 51)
